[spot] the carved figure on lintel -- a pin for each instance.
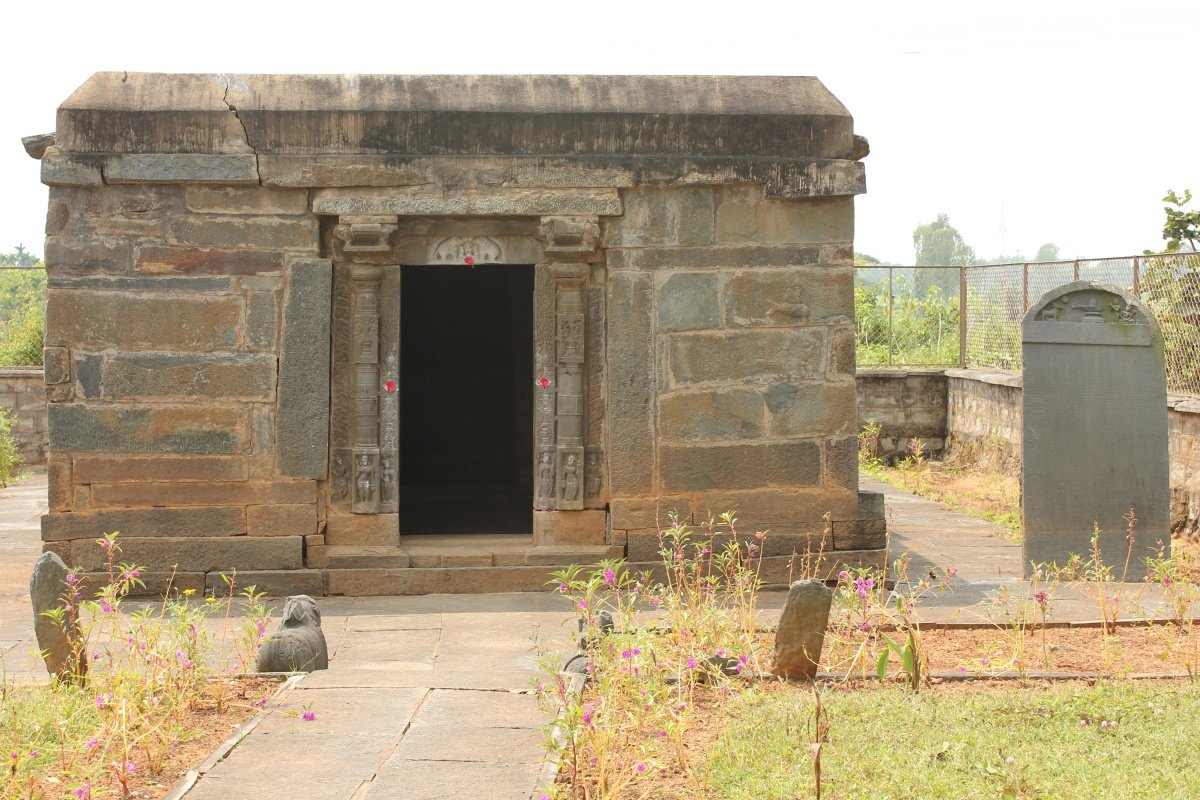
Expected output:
(341, 478)
(546, 477)
(592, 476)
(364, 478)
(570, 477)
(1125, 313)
(387, 478)
(1050, 313)
(1090, 309)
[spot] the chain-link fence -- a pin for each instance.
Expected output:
(902, 312)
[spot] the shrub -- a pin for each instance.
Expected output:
(10, 459)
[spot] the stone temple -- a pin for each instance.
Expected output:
(400, 334)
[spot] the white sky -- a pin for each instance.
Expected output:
(1026, 122)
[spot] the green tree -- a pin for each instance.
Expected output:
(22, 309)
(1182, 225)
(19, 257)
(938, 242)
(1048, 252)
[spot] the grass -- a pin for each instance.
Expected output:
(1024, 741)
(140, 699)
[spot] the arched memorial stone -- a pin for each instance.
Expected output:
(1095, 443)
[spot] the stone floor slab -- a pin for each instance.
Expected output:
(402, 779)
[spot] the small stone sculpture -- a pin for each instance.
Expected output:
(298, 645)
(46, 587)
(801, 632)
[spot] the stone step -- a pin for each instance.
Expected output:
(347, 556)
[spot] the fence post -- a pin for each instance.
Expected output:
(1137, 278)
(890, 290)
(1024, 287)
(962, 316)
(1076, 270)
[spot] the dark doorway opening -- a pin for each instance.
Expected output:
(466, 399)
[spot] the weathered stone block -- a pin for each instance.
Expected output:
(60, 491)
(57, 364)
(810, 409)
(111, 319)
(197, 493)
(302, 432)
(207, 261)
(744, 215)
(712, 415)
(631, 374)
(282, 520)
(789, 353)
(87, 371)
(241, 200)
(859, 534)
(261, 321)
(788, 297)
(569, 527)
(156, 584)
(363, 529)
(649, 512)
(706, 256)
(841, 352)
(205, 521)
(668, 216)
(162, 429)
(841, 461)
(65, 256)
(259, 233)
(274, 582)
(181, 168)
(60, 169)
(244, 377)
(688, 301)
(131, 468)
(201, 554)
(741, 466)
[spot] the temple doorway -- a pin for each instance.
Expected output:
(466, 399)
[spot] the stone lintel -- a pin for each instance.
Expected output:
(480, 201)
(227, 168)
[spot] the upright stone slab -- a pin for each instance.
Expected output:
(47, 585)
(801, 633)
(1095, 443)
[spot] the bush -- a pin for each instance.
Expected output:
(10, 459)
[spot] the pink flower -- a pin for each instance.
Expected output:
(610, 577)
(640, 768)
(691, 662)
(308, 716)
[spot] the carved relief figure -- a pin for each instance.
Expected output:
(592, 476)
(387, 479)
(341, 478)
(571, 331)
(364, 478)
(546, 476)
(570, 476)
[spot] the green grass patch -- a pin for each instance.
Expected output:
(1120, 740)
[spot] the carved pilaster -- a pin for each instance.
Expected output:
(364, 467)
(570, 242)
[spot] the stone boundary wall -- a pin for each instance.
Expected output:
(23, 392)
(907, 404)
(980, 422)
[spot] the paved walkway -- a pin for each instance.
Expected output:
(430, 697)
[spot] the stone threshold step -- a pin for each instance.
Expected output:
(457, 554)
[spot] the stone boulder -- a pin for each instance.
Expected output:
(801, 631)
(47, 585)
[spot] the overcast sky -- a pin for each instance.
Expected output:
(1026, 122)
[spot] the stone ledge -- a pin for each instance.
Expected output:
(996, 377)
(491, 202)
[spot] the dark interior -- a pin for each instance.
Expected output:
(466, 399)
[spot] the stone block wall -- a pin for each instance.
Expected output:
(165, 302)
(23, 394)
(907, 405)
(731, 351)
(983, 418)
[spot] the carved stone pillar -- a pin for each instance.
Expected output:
(365, 458)
(562, 465)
